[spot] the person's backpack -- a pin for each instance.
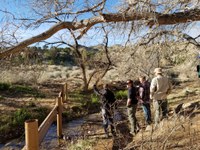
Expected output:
(110, 97)
(146, 92)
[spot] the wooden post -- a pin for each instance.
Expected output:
(64, 93)
(59, 118)
(31, 134)
(61, 96)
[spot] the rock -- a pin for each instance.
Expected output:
(149, 128)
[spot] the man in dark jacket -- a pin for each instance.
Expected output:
(108, 106)
(132, 107)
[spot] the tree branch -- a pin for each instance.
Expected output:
(161, 19)
(176, 18)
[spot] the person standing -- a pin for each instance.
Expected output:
(144, 98)
(107, 108)
(132, 107)
(159, 89)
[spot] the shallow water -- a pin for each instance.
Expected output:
(1, 145)
(50, 141)
(12, 145)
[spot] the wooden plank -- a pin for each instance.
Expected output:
(47, 123)
(59, 118)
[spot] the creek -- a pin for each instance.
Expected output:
(50, 141)
(72, 131)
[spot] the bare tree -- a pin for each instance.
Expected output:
(148, 21)
(79, 55)
(65, 15)
(107, 62)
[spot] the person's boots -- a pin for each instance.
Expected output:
(113, 131)
(137, 128)
(106, 132)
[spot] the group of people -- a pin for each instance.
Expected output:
(142, 94)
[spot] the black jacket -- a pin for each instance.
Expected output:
(106, 95)
(132, 94)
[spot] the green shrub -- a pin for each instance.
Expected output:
(22, 89)
(4, 86)
(20, 116)
(1, 97)
(121, 94)
(31, 104)
(94, 99)
(78, 96)
(40, 113)
(39, 95)
(12, 125)
(67, 115)
(26, 90)
(23, 114)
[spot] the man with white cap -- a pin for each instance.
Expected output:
(159, 89)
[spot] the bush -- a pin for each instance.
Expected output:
(4, 86)
(22, 89)
(40, 113)
(121, 94)
(31, 104)
(20, 116)
(94, 99)
(26, 90)
(1, 97)
(12, 125)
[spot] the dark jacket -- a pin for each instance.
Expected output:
(132, 94)
(107, 96)
(146, 92)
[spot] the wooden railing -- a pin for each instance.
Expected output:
(35, 135)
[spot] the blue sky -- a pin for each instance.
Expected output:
(19, 7)
(94, 38)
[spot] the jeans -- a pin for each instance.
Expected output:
(147, 112)
(160, 108)
(132, 117)
(107, 115)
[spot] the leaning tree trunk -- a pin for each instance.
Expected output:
(85, 83)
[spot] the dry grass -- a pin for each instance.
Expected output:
(33, 74)
(176, 133)
(179, 132)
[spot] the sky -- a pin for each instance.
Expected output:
(94, 38)
(9, 5)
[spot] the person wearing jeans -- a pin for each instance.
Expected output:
(107, 109)
(144, 98)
